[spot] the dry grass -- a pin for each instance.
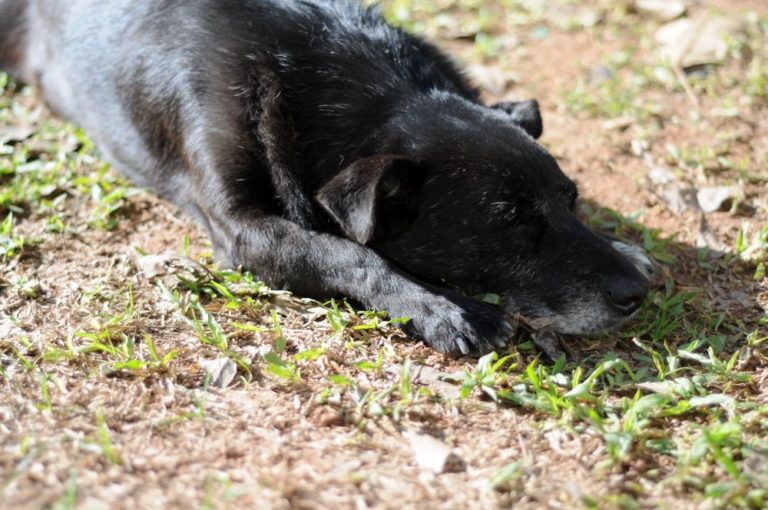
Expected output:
(106, 401)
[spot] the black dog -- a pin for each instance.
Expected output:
(332, 154)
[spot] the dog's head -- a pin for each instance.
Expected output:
(462, 195)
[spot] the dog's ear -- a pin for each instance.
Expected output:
(350, 197)
(525, 114)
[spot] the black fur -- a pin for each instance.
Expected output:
(330, 154)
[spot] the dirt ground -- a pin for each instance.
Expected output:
(133, 381)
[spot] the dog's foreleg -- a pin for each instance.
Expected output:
(321, 265)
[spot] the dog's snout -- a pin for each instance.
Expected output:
(625, 294)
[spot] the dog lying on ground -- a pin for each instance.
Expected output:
(332, 155)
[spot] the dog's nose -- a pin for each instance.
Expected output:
(626, 295)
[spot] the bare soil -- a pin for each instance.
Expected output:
(77, 432)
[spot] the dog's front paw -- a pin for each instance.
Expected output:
(460, 326)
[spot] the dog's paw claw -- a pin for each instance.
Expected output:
(462, 345)
(500, 343)
(462, 327)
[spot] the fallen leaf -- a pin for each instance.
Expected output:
(714, 198)
(434, 455)
(549, 343)
(449, 27)
(677, 198)
(661, 175)
(639, 147)
(437, 381)
(490, 78)
(15, 133)
(661, 387)
(620, 123)
(221, 371)
(9, 330)
(177, 267)
(572, 16)
(715, 399)
(705, 238)
(690, 42)
(681, 386)
(600, 75)
(664, 10)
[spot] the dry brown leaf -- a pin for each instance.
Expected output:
(664, 10)
(714, 198)
(432, 454)
(690, 42)
(222, 371)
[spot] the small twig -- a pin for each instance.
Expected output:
(677, 66)
(683, 80)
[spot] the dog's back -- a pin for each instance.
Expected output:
(112, 66)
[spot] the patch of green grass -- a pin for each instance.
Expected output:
(110, 198)
(757, 80)
(753, 247)
(485, 376)
(209, 331)
(487, 46)
(219, 490)
(32, 180)
(391, 400)
(159, 359)
(629, 227)
(104, 440)
(11, 244)
(45, 403)
(197, 299)
(590, 399)
(664, 313)
(68, 500)
(281, 368)
(506, 476)
(116, 337)
(619, 91)
(709, 158)
(56, 163)
(749, 85)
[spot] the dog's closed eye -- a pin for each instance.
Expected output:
(528, 223)
(520, 211)
(504, 210)
(571, 194)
